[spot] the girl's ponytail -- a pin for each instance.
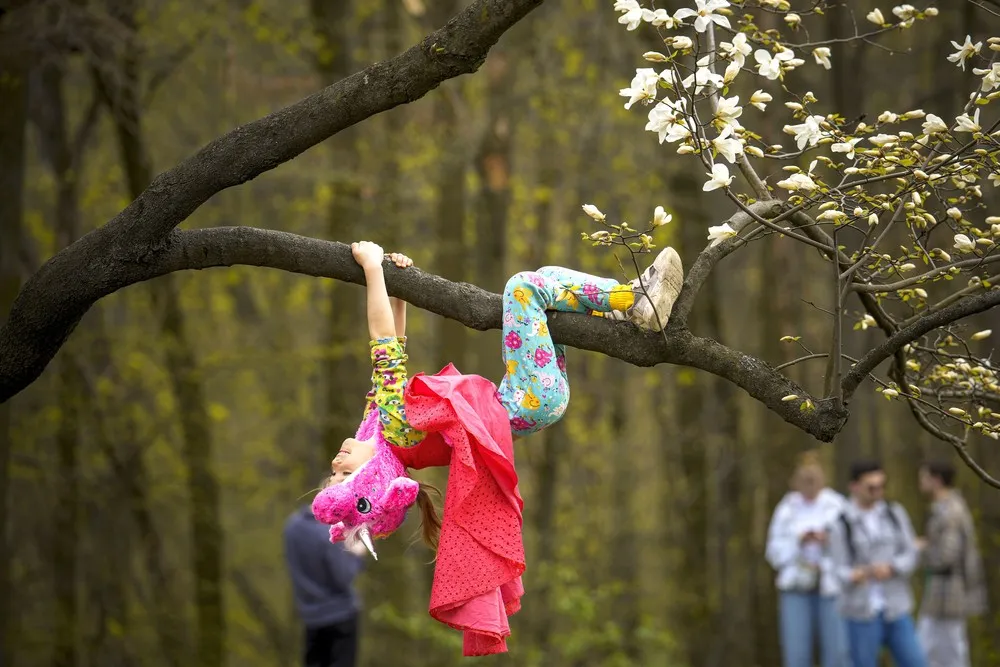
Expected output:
(430, 520)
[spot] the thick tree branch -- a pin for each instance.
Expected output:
(465, 303)
(53, 300)
(890, 345)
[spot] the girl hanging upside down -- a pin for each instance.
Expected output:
(467, 423)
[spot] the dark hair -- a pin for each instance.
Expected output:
(859, 469)
(942, 470)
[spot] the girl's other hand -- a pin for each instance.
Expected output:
(400, 260)
(367, 254)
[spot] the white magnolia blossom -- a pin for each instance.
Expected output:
(888, 117)
(705, 14)
(660, 17)
(664, 115)
(798, 181)
(904, 12)
(883, 140)
(679, 132)
(732, 71)
(703, 77)
(661, 217)
(720, 233)
(963, 243)
(831, 215)
(681, 42)
(867, 321)
(642, 88)
(793, 19)
(737, 50)
(934, 124)
(806, 133)
(846, 147)
(760, 99)
(769, 66)
(728, 110)
(822, 56)
(631, 13)
(727, 145)
(994, 179)
(965, 124)
(593, 212)
(719, 178)
(965, 51)
(875, 16)
(991, 77)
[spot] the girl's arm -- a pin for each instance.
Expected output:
(399, 316)
(380, 321)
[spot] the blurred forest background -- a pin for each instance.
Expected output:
(152, 466)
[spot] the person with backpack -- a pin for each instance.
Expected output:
(798, 550)
(874, 553)
(954, 588)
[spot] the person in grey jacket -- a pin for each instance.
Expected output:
(322, 576)
(954, 588)
(874, 551)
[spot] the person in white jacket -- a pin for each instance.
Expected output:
(798, 550)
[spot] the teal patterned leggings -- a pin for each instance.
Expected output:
(535, 389)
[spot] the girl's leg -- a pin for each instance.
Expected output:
(595, 294)
(535, 389)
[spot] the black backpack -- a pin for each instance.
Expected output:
(849, 534)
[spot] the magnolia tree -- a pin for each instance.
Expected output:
(908, 175)
(905, 192)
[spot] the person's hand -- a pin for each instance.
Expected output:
(400, 260)
(882, 571)
(821, 536)
(859, 574)
(920, 543)
(367, 254)
(807, 537)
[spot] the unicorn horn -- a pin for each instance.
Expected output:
(366, 539)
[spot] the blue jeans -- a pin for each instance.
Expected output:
(806, 617)
(868, 637)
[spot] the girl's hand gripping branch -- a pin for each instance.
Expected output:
(369, 256)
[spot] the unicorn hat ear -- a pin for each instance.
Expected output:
(402, 493)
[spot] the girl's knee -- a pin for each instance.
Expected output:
(521, 279)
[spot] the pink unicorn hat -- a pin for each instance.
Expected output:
(372, 502)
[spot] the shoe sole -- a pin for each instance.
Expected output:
(667, 277)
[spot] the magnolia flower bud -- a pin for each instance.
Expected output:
(594, 212)
(980, 335)
(954, 213)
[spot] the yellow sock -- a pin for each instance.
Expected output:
(621, 297)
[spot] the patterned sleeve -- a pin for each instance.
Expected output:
(386, 395)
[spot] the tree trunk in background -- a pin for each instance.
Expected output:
(51, 117)
(692, 606)
(623, 547)
(205, 524)
(13, 121)
(550, 441)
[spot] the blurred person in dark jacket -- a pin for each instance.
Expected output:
(322, 576)
(954, 588)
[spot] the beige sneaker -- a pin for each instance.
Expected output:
(663, 281)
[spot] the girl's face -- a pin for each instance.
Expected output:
(352, 455)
